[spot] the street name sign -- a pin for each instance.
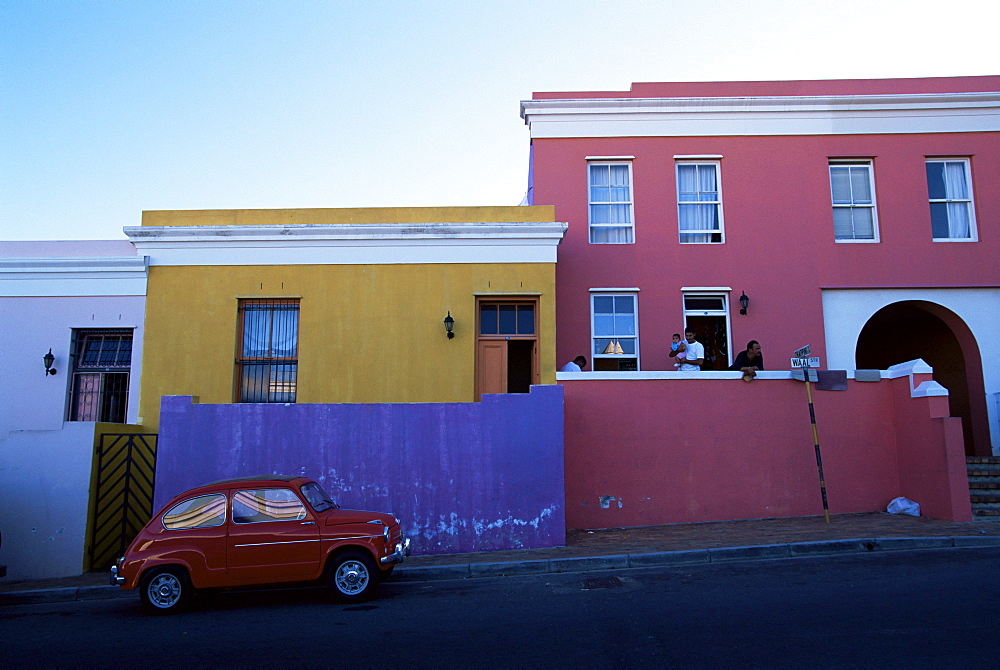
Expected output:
(810, 362)
(804, 351)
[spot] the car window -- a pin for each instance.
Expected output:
(317, 497)
(259, 505)
(198, 512)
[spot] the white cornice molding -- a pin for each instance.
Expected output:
(349, 244)
(765, 115)
(65, 276)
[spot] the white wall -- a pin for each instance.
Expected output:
(845, 313)
(44, 495)
(45, 461)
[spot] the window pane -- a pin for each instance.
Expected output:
(863, 224)
(619, 175)
(525, 320)
(840, 185)
(600, 175)
(625, 324)
(200, 512)
(488, 323)
(253, 386)
(256, 331)
(508, 320)
(954, 181)
(703, 303)
(283, 383)
(861, 192)
(935, 181)
(604, 304)
(843, 223)
(624, 304)
(265, 505)
(604, 324)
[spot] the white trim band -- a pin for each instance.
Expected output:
(763, 115)
(349, 244)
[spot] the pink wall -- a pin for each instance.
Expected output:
(649, 452)
(779, 243)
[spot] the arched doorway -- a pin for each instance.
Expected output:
(913, 329)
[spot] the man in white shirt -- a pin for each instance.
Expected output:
(695, 353)
(575, 365)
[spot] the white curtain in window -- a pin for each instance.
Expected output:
(957, 189)
(610, 198)
(268, 334)
(697, 184)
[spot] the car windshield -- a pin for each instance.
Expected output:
(317, 497)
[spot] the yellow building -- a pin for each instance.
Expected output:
(347, 305)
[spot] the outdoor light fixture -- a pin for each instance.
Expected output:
(48, 359)
(744, 301)
(449, 323)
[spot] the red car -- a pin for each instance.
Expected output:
(258, 530)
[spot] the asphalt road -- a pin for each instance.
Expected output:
(934, 608)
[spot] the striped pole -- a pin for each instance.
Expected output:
(819, 459)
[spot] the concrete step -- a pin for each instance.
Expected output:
(995, 460)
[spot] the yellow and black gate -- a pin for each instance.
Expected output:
(122, 502)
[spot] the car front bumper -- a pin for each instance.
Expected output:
(399, 554)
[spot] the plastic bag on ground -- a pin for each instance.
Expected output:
(903, 506)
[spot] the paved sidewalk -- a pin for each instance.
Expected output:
(628, 547)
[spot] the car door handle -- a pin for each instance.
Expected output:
(308, 523)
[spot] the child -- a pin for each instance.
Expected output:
(677, 349)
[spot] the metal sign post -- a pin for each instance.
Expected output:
(803, 360)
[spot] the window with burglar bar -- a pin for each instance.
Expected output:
(267, 357)
(102, 361)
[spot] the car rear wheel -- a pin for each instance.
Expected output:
(165, 590)
(352, 576)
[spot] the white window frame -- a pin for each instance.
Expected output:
(592, 227)
(967, 169)
(615, 293)
(869, 165)
(710, 292)
(698, 161)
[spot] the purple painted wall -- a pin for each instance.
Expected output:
(460, 477)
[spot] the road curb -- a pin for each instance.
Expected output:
(412, 573)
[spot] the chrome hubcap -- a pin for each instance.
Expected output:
(164, 590)
(352, 577)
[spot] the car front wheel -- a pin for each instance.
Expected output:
(352, 576)
(165, 590)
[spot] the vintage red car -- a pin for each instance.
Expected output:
(270, 529)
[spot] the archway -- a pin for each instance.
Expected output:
(913, 329)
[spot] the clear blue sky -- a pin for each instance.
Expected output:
(112, 107)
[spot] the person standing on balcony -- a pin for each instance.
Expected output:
(694, 357)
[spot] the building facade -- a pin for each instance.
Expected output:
(858, 217)
(348, 305)
(81, 303)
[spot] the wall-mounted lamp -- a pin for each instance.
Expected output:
(48, 359)
(744, 301)
(449, 323)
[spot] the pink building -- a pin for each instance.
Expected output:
(860, 217)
